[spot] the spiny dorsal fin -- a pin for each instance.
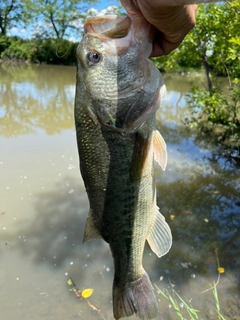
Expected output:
(91, 232)
(160, 149)
(160, 236)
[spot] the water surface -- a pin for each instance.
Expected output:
(43, 207)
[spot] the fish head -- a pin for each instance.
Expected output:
(120, 83)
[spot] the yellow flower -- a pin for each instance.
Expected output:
(221, 270)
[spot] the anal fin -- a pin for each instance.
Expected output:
(160, 236)
(91, 232)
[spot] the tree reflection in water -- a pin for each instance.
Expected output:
(35, 97)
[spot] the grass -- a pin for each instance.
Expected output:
(178, 302)
(215, 294)
(182, 305)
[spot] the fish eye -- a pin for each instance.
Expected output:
(94, 57)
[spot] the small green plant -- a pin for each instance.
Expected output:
(175, 300)
(215, 294)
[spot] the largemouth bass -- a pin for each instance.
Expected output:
(117, 94)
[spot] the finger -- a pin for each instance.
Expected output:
(163, 48)
(131, 7)
(166, 40)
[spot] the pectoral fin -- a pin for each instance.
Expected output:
(91, 232)
(160, 149)
(160, 236)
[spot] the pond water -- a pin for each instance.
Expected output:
(43, 208)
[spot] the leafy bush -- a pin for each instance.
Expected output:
(54, 51)
(213, 44)
(216, 115)
(4, 43)
(18, 49)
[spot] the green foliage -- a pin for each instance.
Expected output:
(179, 60)
(54, 51)
(4, 43)
(59, 16)
(193, 314)
(215, 295)
(213, 43)
(216, 115)
(11, 12)
(17, 49)
(225, 56)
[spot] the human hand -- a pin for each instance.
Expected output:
(171, 18)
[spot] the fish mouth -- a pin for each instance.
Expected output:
(113, 27)
(122, 31)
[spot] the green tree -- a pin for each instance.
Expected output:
(214, 43)
(59, 16)
(10, 14)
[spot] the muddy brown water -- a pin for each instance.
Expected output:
(43, 208)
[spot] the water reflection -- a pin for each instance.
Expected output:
(201, 195)
(35, 97)
(204, 200)
(45, 206)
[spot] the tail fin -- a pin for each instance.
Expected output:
(135, 297)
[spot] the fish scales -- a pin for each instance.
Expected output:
(116, 99)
